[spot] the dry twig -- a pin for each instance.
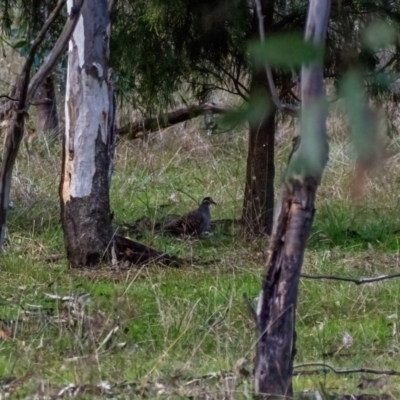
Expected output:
(326, 368)
(353, 280)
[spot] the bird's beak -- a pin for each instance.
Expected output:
(213, 202)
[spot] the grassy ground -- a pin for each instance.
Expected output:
(186, 333)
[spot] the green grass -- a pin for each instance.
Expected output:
(173, 327)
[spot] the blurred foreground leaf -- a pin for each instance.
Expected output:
(364, 128)
(379, 35)
(253, 112)
(287, 50)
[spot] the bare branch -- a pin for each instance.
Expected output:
(353, 280)
(47, 67)
(285, 108)
(6, 96)
(346, 371)
(158, 122)
(35, 45)
(238, 85)
(16, 130)
(52, 59)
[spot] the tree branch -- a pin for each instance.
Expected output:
(55, 54)
(6, 96)
(22, 91)
(35, 45)
(236, 82)
(154, 123)
(353, 280)
(285, 108)
(346, 371)
(52, 59)
(220, 79)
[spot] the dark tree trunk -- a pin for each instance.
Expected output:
(46, 109)
(276, 344)
(258, 204)
(276, 310)
(84, 187)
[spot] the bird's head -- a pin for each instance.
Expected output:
(207, 201)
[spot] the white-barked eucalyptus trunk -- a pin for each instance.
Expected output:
(87, 159)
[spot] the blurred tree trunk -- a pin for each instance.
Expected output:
(87, 158)
(46, 109)
(23, 91)
(276, 310)
(258, 204)
(45, 95)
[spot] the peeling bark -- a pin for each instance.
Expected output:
(87, 160)
(276, 311)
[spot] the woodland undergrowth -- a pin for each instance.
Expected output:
(176, 333)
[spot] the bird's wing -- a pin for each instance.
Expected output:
(187, 224)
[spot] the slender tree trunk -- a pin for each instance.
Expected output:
(258, 204)
(84, 187)
(46, 109)
(276, 311)
(23, 91)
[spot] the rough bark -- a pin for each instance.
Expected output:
(19, 109)
(153, 124)
(258, 204)
(84, 187)
(46, 109)
(276, 336)
(278, 298)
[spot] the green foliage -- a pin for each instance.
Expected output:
(176, 45)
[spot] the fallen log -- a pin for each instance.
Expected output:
(138, 129)
(127, 251)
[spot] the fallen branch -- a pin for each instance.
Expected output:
(155, 123)
(353, 280)
(327, 367)
(129, 252)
